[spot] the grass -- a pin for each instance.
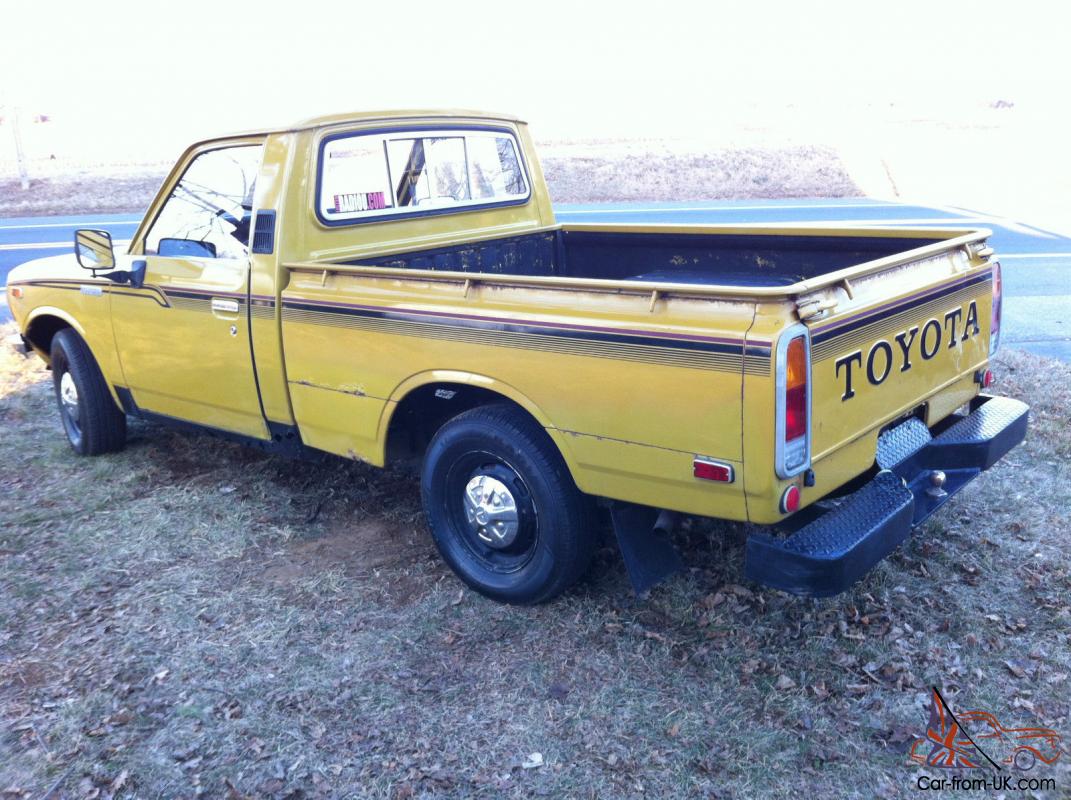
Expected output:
(77, 189)
(584, 171)
(598, 171)
(189, 618)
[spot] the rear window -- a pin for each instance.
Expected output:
(410, 172)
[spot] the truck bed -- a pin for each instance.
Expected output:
(731, 257)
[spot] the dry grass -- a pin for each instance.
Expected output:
(589, 172)
(191, 618)
(104, 191)
(576, 172)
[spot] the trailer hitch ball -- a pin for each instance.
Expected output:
(937, 484)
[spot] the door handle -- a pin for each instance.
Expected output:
(222, 307)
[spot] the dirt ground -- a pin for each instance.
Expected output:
(193, 619)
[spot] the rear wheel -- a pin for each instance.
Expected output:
(503, 510)
(90, 418)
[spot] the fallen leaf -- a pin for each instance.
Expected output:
(120, 781)
(533, 761)
(1015, 669)
(121, 717)
(713, 600)
(232, 791)
(784, 683)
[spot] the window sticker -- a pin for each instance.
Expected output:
(359, 201)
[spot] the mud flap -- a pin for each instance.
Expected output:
(649, 555)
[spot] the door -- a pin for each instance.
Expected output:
(183, 339)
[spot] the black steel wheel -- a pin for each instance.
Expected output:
(502, 507)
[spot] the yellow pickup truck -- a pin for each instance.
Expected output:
(381, 286)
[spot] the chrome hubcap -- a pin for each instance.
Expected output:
(491, 511)
(69, 396)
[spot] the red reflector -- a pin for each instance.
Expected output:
(712, 471)
(987, 379)
(16, 291)
(790, 500)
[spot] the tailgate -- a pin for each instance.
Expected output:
(894, 339)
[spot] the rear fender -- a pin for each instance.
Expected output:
(486, 382)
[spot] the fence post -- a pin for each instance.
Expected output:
(24, 178)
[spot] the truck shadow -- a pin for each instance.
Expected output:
(365, 521)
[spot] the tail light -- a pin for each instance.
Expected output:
(998, 301)
(793, 402)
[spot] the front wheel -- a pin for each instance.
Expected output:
(502, 507)
(91, 420)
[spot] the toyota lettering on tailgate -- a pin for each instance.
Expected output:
(924, 340)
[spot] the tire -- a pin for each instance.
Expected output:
(91, 420)
(526, 556)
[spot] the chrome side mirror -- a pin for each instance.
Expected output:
(93, 249)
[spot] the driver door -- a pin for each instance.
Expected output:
(183, 339)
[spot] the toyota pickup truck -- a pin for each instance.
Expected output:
(384, 286)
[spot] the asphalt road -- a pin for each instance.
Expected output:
(1036, 264)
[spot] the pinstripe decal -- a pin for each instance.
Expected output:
(262, 308)
(198, 300)
(885, 320)
(689, 350)
(147, 292)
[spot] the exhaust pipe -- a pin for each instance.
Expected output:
(667, 522)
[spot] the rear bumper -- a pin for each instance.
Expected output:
(838, 545)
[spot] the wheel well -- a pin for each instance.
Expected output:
(427, 408)
(42, 330)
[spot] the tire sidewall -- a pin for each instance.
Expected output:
(61, 365)
(528, 583)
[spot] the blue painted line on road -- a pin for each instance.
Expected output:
(80, 220)
(26, 235)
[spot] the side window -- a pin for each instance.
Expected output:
(388, 174)
(210, 210)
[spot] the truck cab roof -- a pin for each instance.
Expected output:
(386, 115)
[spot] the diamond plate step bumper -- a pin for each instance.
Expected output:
(833, 551)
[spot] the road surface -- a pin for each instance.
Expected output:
(1036, 264)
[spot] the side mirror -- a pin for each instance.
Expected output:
(93, 249)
